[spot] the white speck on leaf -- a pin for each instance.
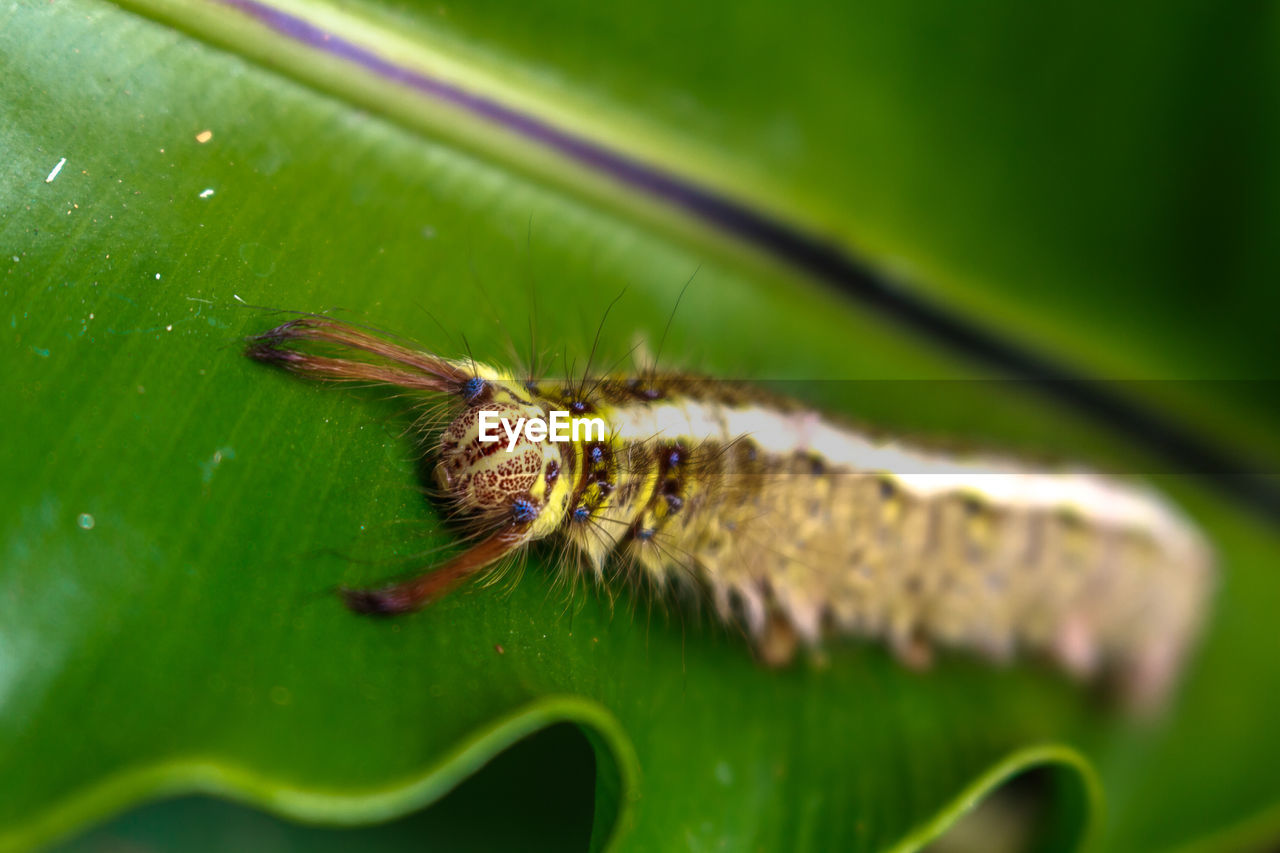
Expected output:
(207, 193)
(56, 170)
(209, 467)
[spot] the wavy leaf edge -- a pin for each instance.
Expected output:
(211, 777)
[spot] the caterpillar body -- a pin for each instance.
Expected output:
(797, 527)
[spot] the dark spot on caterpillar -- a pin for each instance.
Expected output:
(644, 534)
(888, 489)
(523, 510)
(553, 472)
(674, 502)
(973, 505)
(816, 465)
(644, 392)
(737, 606)
(675, 455)
(473, 388)
(578, 407)
(671, 486)
(581, 513)
(606, 487)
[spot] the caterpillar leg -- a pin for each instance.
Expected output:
(777, 646)
(912, 651)
(404, 367)
(418, 592)
(1075, 646)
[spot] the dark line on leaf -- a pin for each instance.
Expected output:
(824, 260)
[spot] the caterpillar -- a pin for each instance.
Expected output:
(796, 526)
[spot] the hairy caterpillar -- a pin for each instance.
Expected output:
(796, 526)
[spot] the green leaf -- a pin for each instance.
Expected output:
(176, 517)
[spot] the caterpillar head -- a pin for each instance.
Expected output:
(489, 467)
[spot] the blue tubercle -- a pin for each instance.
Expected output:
(472, 388)
(523, 511)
